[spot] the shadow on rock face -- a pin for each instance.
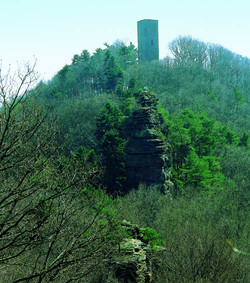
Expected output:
(146, 158)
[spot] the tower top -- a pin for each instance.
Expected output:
(147, 20)
(148, 42)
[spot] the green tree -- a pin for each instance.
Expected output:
(111, 146)
(77, 129)
(113, 72)
(244, 140)
(98, 69)
(83, 57)
(194, 139)
(201, 172)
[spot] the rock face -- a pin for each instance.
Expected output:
(146, 159)
(136, 256)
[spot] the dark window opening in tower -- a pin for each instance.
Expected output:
(152, 42)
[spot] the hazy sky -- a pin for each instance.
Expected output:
(54, 30)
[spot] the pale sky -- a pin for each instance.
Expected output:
(53, 31)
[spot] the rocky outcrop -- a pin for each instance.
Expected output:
(146, 158)
(136, 256)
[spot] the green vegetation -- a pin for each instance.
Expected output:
(194, 230)
(110, 146)
(63, 187)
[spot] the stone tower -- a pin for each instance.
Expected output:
(148, 42)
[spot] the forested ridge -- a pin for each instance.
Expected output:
(63, 180)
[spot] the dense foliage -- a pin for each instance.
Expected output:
(62, 165)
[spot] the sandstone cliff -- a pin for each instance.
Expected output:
(146, 158)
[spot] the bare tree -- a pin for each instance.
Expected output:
(189, 52)
(53, 226)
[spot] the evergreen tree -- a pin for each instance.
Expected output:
(113, 72)
(244, 139)
(194, 139)
(111, 147)
(203, 173)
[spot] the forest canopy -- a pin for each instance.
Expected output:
(64, 187)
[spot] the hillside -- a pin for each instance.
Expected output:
(164, 145)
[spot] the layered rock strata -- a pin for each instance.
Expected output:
(146, 158)
(136, 256)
